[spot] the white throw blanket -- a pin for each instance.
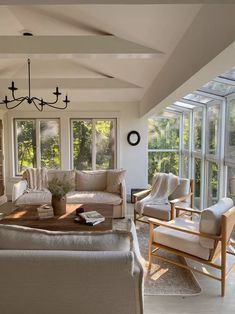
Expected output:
(36, 179)
(163, 185)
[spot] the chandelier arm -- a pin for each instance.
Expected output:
(51, 102)
(45, 102)
(61, 108)
(37, 106)
(15, 105)
(18, 99)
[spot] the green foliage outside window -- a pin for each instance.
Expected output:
(163, 134)
(198, 129)
(105, 144)
(162, 162)
(82, 144)
(99, 135)
(26, 143)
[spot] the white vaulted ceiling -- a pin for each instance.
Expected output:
(93, 52)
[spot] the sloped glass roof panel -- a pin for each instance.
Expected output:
(229, 74)
(197, 98)
(173, 109)
(184, 105)
(218, 88)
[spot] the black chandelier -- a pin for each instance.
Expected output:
(38, 103)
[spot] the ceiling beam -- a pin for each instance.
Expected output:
(72, 45)
(10, 2)
(70, 83)
(205, 51)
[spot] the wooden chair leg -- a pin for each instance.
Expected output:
(134, 217)
(223, 264)
(150, 243)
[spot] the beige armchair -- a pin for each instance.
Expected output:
(182, 196)
(202, 241)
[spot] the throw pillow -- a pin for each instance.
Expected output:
(114, 180)
(91, 180)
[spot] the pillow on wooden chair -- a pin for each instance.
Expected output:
(210, 220)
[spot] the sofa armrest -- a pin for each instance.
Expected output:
(18, 189)
(123, 195)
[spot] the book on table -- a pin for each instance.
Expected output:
(92, 217)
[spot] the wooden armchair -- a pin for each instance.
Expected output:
(183, 196)
(202, 241)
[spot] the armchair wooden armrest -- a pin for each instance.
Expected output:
(170, 225)
(188, 209)
(180, 199)
(139, 195)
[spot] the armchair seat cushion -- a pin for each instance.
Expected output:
(181, 241)
(162, 212)
(79, 197)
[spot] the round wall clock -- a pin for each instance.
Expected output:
(133, 138)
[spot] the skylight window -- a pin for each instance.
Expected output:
(218, 88)
(229, 74)
(184, 105)
(197, 98)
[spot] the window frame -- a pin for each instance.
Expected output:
(93, 149)
(38, 146)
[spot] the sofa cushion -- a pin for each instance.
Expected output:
(90, 180)
(181, 241)
(78, 197)
(114, 180)
(68, 175)
(210, 220)
(34, 198)
(24, 238)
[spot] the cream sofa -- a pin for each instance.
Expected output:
(90, 187)
(46, 272)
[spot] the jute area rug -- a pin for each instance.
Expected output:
(164, 278)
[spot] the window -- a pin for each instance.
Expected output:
(230, 145)
(93, 143)
(231, 183)
(213, 129)
(213, 183)
(197, 181)
(163, 145)
(186, 130)
(197, 123)
(31, 134)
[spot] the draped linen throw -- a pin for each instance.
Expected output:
(36, 179)
(163, 185)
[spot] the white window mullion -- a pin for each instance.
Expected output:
(221, 150)
(93, 144)
(204, 173)
(38, 144)
(181, 145)
(191, 170)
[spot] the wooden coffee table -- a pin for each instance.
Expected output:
(27, 216)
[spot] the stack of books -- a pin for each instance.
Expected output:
(90, 218)
(45, 211)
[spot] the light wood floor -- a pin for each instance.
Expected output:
(208, 302)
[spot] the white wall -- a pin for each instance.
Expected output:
(131, 158)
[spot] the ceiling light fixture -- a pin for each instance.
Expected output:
(38, 103)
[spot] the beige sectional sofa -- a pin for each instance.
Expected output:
(46, 272)
(90, 187)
